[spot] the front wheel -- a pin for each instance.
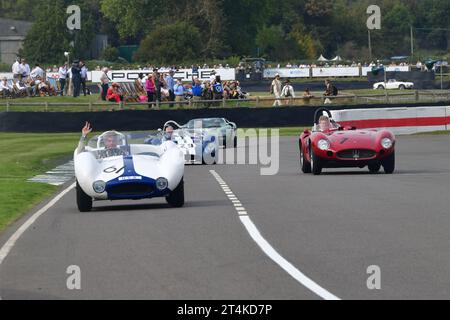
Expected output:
(389, 163)
(316, 163)
(380, 87)
(176, 197)
(306, 166)
(402, 87)
(84, 202)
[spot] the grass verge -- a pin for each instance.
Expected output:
(24, 156)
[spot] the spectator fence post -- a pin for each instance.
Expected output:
(90, 106)
(417, 95)
(46, 106)
(7, 106)
(224, 103)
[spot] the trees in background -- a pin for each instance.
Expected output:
(277, 30)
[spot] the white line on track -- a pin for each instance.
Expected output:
(4, 251)
(268, 249)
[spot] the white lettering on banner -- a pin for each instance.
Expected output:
(55, 75)
(335, 72)
(183, 74)
(366, 70)
(287, 72)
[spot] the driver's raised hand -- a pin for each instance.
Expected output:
(87, 129)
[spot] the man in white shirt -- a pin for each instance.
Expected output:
(288, 91)
(25, 69)
(5, 88)
(37, 72)
(83, 73)
(16, 70)
(62, 72)
(275, 89)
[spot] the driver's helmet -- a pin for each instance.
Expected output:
(111, 140)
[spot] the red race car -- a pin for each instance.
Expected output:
(329, 145)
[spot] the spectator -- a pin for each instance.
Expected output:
(288, 91)
(62, 72)
(307, 94)
(151, 89)
(104, 79)
(76, 78)
(83, 74)
(179, 91)
(5, 88)
(217, 89)
(328, 88)
(207, 93)
(157, 82)
(113, 94)
(275, 89)
(16, 70)
(37, 72)
(170, 81)
(197, 89)
(25, 69)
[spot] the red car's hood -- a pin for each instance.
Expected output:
(353, 139)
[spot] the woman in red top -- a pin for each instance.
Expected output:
(113, 93)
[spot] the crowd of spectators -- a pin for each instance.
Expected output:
(26, 81)
(164, 87)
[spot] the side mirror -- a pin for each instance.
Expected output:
(306, 131)
(159, 130)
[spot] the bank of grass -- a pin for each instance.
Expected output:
(23, 156)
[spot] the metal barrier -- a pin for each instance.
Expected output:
(414, 96)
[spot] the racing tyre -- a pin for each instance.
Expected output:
(306, 166)
(380, 87)
(84, 202)
(374, 168)
(316, 165)
(176, 197)
(389, 163)
(402, 87)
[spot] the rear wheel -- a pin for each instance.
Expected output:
(402, 87)
(176, 197)
(306, 166)
(374, 168)
(389, 163)
(316, 163)
(380, 87)
(84, 202)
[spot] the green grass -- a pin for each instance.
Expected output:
(24, 156)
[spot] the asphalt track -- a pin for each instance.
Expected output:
(330, 227)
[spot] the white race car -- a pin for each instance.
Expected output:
(224, 130)
(111, 167)
(198, 147)
(393, 84)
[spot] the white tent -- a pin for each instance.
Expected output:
(337, 58)
(322, 58)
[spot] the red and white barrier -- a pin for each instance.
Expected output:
(399, 120)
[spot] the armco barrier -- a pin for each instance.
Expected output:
(399, 120)
(48, 122)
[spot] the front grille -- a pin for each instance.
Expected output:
(356, 154)
(131, 189)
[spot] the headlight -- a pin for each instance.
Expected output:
(99, 186)
(386, 143)
(323, 145)
(162, 184)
